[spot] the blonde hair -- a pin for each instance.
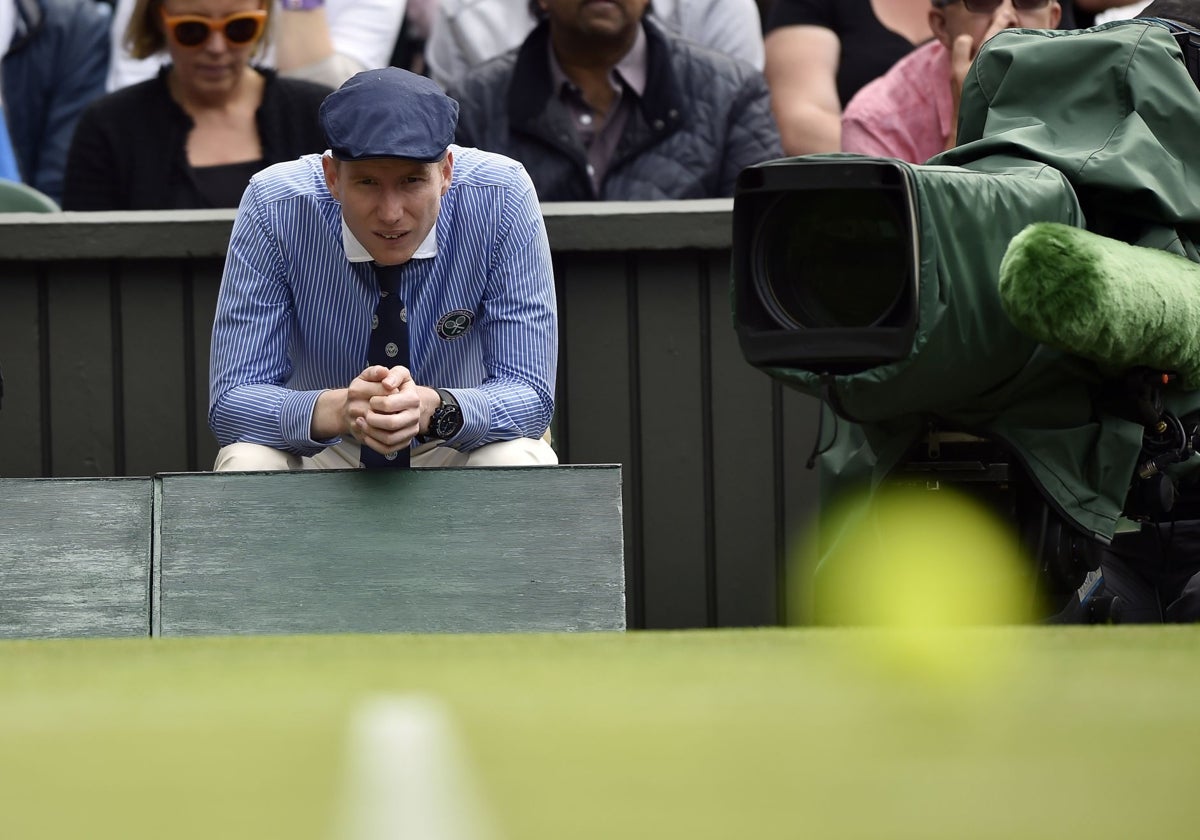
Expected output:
(144, 36)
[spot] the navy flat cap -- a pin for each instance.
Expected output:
(388, 112)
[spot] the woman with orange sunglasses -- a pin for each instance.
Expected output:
(192, 136)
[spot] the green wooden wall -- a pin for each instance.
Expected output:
(104, 338)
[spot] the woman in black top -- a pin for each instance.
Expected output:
(820, 52)
(192, 136)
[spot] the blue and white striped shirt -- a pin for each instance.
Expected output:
(294, 313)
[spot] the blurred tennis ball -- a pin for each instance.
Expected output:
(924, 564)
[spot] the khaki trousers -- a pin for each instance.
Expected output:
(254, 457)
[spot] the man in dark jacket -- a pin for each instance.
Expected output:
(54, 65)
(599, 103)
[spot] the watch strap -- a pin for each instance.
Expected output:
(447, 413)
(447, 397)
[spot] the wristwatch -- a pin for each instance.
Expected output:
(446, 420)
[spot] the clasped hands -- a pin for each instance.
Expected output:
(383, 408)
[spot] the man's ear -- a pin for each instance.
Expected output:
(330, 167)
(937, 25)
(447, 171)
(1055, 14)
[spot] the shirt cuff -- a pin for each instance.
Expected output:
(476, 413)
(295, 421)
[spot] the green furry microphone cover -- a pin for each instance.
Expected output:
(1119, 305)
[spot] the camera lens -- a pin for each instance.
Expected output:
(832, 258)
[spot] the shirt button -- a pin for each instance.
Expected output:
(374, 321)
(404, 315)
(391, 456)
(391, 349)
(591, 170)
(383, 293)
(585, 119)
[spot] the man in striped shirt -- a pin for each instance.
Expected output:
(315, 245)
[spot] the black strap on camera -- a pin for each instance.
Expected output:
(1189, 43)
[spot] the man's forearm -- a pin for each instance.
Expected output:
(502, 410)
(271, 415)
(328, 418)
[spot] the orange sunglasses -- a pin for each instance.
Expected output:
(239, 29)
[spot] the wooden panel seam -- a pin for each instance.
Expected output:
(156, 506)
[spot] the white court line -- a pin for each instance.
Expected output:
(407, 776)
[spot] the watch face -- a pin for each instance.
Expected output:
(447, 420)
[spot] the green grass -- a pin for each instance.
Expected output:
(1064, 732)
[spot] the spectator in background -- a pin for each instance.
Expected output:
(468, 32)
(600, 103)
(55, 52)
(820, 52)
(409, 53)
(911, 112)
(324, 41)
(192, 136)
(1081, 14)
(317, 43)
(1110, 10)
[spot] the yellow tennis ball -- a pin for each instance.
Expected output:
(924, 564)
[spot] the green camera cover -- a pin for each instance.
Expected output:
(1092, 129)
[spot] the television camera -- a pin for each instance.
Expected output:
(875, 285)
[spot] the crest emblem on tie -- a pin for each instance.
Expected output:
(455, 324)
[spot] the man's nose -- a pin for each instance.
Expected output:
(391, 207)
(1012, 18)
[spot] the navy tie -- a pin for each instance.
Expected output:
(387, 346)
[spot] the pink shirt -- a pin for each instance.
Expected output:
(906, 113)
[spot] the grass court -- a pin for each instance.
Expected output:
(1024, 732)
